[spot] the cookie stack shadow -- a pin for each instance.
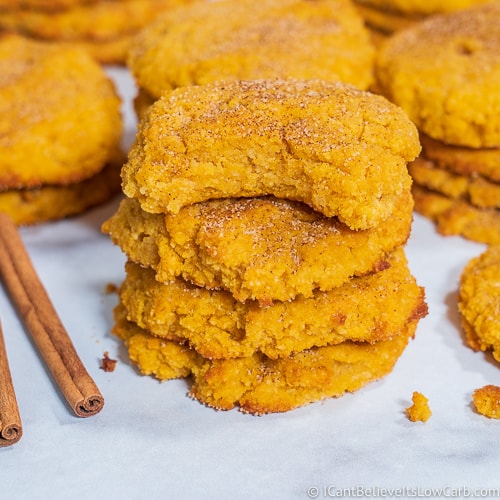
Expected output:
(264, 226)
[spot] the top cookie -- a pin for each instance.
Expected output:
(338, 149)
(445, 73)
(60, 116)
(209, 41)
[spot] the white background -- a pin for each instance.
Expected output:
(151, 441)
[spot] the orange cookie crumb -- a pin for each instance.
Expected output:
(487, 400)
(111, 288)
(108, 364)
(419, 410)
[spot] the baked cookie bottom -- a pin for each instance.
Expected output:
(51, 202)
(256, 384)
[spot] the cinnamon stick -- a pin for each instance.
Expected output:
(10, 421)
(43, 323)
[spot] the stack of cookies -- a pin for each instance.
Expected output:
(60, 131)
(264, 226)
(105, 28)
(445, 73)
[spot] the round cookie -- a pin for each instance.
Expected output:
(457, 216)
(370, 309)
(111, 51)
(384, 22)
(257, 384)
(479, 301)
(208, 41)
(342, 151)
(462, 160)
(93, 21)
(445, 73)
(52, 202)
(261, 249)
(386, 17)
(420, 7)
(111, 25)
(60, 115)
(475, 189)
(48, 5)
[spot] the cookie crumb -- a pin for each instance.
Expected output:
(111, 288)
(487, 401)
(108, 364)
(419, 410)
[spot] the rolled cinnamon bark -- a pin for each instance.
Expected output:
(10, 421)
(42, 321)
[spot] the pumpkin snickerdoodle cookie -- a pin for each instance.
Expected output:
(257, 384)
(207, 41)
(340, 150)
(390, 16)
(105, 28)
(52, 91)
(369, 308)
(479, 301)
(449, 84)
(60, 131)
(52, 202)
(257, 248)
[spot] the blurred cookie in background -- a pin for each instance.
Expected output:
(445, 73)
(103, 27)
(386, 17)
(203, 42)
(60, 127)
